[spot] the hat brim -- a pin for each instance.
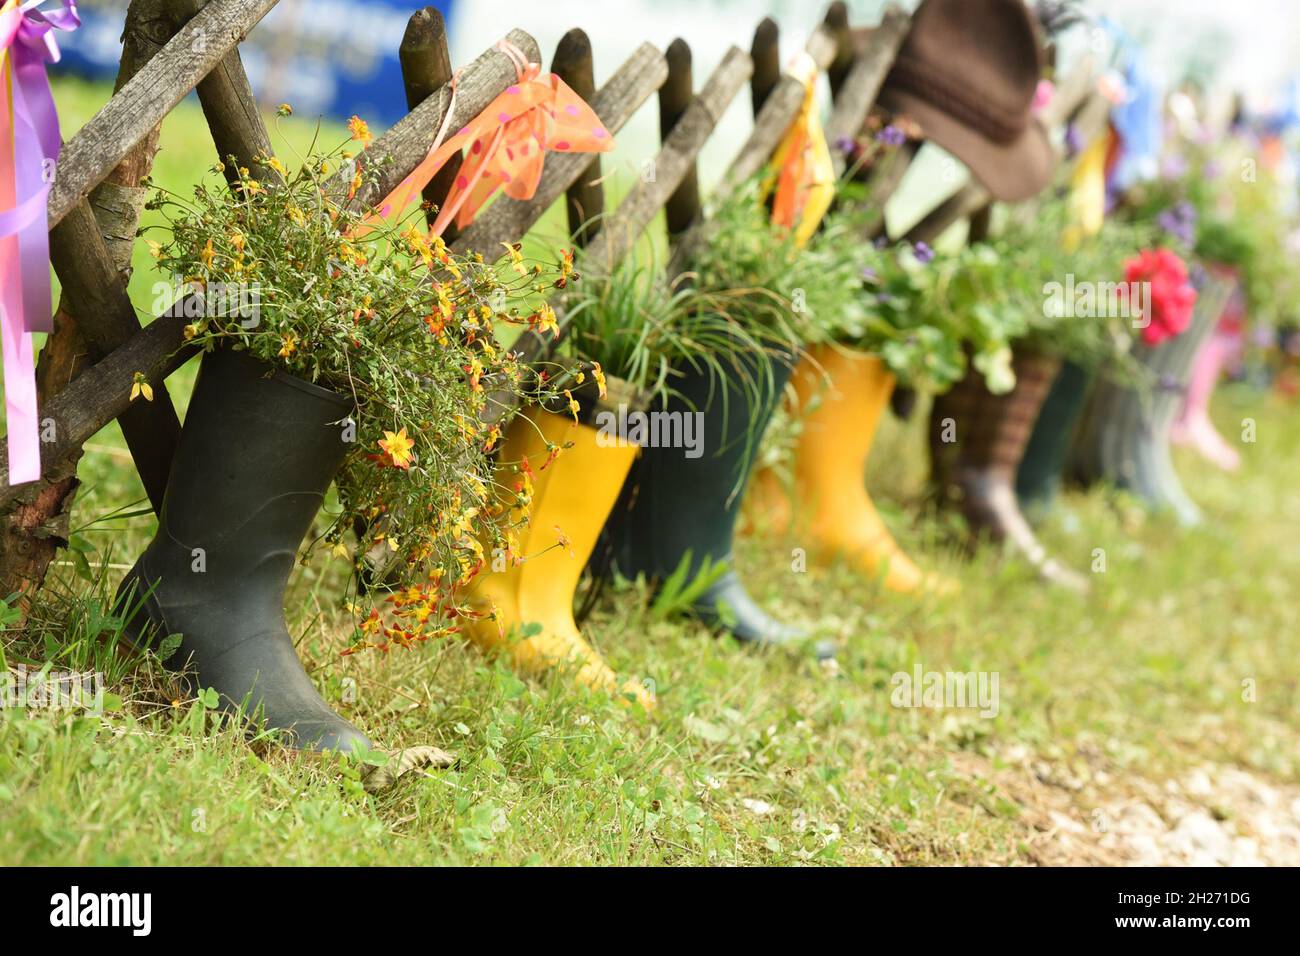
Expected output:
(1012, 171)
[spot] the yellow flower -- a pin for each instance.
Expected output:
(397, 447)
(237, 240)
(516, 258)
(155, 248)
(140, 386)
(288, 345)
(284, 109)
(359, 130)
(207, 255)
(277, 166)
(598, 374)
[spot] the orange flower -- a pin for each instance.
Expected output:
(543, 321)
(397, 447)
(359, 130)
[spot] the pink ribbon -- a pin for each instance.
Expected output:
(29, 148)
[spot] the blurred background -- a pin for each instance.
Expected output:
(336, 58)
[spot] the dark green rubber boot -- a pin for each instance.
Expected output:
(1039, 477)
(674, 505)
(258, 450)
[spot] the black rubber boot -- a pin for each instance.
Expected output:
(674, 505)
(258, 450)
(1038, 478)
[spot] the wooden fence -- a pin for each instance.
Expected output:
(173, 46)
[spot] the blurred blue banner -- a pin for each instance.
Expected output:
(328, 57)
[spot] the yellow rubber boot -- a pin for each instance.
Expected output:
(832, 509)
(572, 496)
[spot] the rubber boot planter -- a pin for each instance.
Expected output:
(977, 440)
(1038, 479)
(679, 505)
(1125, 434)
(1192, 427)
(831, 514)
(528, 605)
(258, 451)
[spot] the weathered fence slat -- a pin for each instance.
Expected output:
(148, 97)
(231, 109)
(673, 162)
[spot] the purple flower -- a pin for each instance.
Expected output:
(846, 145)
(924, 254)
(1179, 221)
(880, 242)
(891, 135)
(884, 297)
(1212, 170)
(1073, 139)
(868, 274)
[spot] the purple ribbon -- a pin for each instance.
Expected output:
(29, 149)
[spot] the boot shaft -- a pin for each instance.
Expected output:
(257, 453)
(989, 431)
(840, 418)
(572, 496)
(678, 500)
(1045, 456)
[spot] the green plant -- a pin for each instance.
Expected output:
(388, 316)
(1066, 284)
(631, 324)
(755, 274)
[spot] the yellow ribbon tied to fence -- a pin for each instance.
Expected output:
(1088, 192)
(507, 144)
(805, 175)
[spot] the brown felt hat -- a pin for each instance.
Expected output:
(967, 73)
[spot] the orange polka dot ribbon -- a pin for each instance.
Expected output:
(507, 143)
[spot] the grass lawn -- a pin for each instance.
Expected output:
(1153, 721)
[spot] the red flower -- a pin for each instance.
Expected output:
(1169, 296)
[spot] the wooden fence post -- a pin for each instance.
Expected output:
(426, 67)
(765, 51)
(683, 205)
(585, 199)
